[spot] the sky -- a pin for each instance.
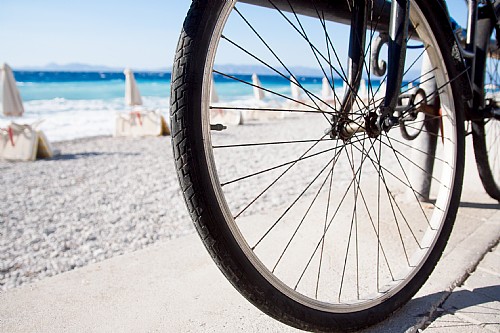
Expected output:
(100, 32)
(115, 33)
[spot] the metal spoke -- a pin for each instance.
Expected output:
(297, 199)
(331, 216)
(324, 229)
(276, 180)
(275, 55)
(317, 108)
(328, 43)
(277, 166)
(271, 143)
(301, 221)
(397, 178)
(316, 112)
(408, 180)
(309, 93)
(328, 227)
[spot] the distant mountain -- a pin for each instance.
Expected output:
(79, 67)
(72, 67)
(229, 68)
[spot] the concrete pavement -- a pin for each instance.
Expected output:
(175, 287)
(474, 306)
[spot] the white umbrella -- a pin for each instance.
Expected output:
(363, 89)
(345, 88)
(381, 91)
(132, 93)
(214, 98)
(326, 89)
(11, 102)
(296, 89)
(257, 92)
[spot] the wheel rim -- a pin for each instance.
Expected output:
(350, 204)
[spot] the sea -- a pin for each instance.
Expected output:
(70, 105)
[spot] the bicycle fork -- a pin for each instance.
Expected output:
(383, 120)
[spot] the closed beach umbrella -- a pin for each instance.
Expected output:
(363, 89)
(132, 93)
(214, 98)
(296, 89)
(257, 92)
(326, 89)
(11, 102)
(381, 91)
(345, 88)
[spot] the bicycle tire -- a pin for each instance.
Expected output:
(486, 155)
(485, 133)
(201, 188)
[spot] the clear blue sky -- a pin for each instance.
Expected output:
(117, 33)
(102, 32)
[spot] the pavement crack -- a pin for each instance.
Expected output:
(437, 309)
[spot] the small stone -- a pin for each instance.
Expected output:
(49, 230)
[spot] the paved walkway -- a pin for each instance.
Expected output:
(175, 287)
(475, 306)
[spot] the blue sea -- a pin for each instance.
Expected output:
(82, 104)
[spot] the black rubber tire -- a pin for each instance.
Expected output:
(200, 197)
(490, 184)
(483, 160)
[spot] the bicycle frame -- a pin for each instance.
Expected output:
(337, 11)
(393, 18)
(480, 21)
(335, 280)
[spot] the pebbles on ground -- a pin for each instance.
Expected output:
(100, 198)
(107, 196)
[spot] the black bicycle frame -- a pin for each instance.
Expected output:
(331, 10)
(398, 35)
(480, 22)
(392, 17)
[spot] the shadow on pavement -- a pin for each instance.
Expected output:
(64, 157)
(400, 322)
(480, 205)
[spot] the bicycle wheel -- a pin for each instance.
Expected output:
(320, 231)
(486, 133)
